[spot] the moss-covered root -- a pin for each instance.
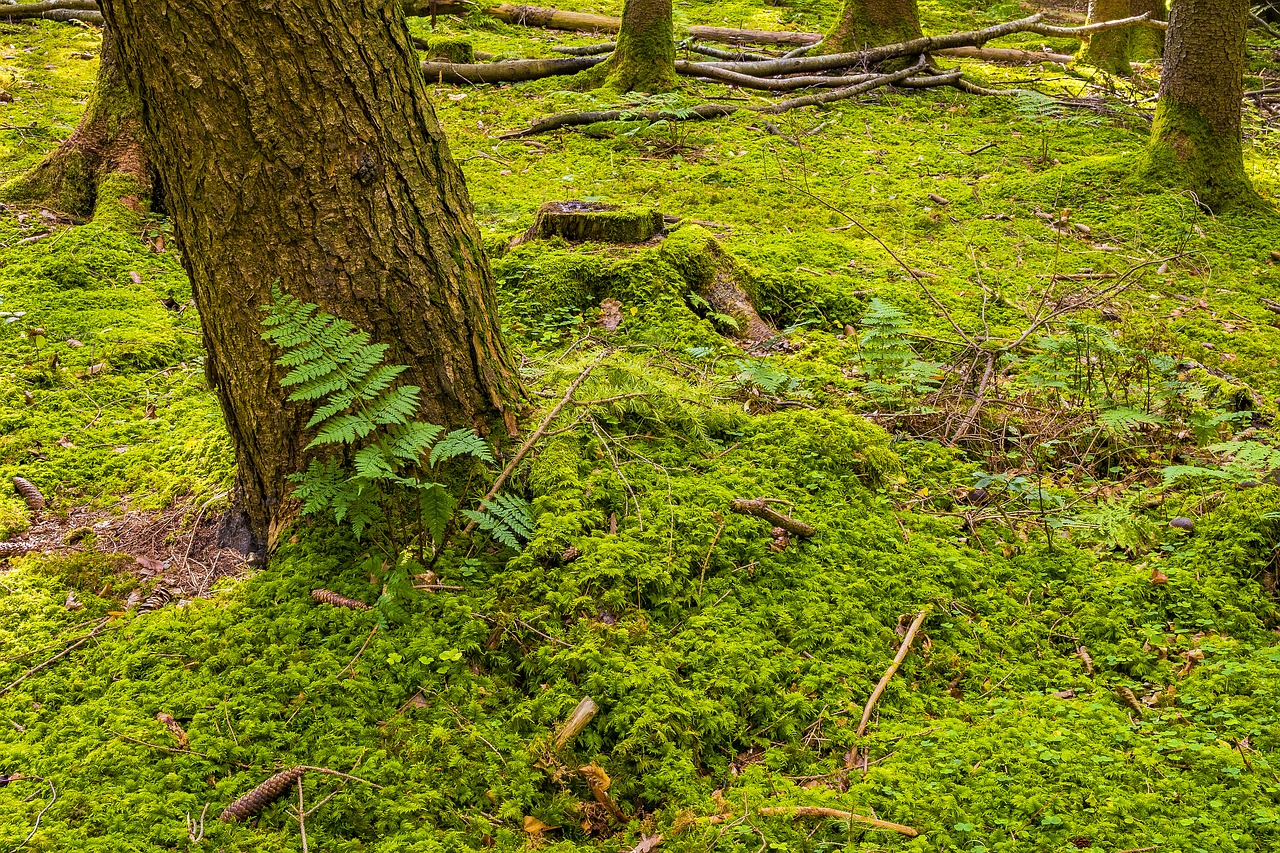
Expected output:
(645, 57)
(1195, 139)
(101, 171)
(715, 276)
(1108, 50)
(870, 23)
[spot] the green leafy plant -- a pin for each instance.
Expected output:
(379, 470)
(895, 373)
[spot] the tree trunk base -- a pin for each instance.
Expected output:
(1186, 152)
(582, 221)
(623, 75)
(102, 171)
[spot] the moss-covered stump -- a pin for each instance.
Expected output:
(102, 170)
(584, 221)
(446, 49)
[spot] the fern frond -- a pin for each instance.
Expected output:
(461, 442)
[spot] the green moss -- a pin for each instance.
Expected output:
(451, 49)
(14, 516)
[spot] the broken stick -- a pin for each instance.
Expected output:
(852, 758)
(760, 508)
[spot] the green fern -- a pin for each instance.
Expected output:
(382, 475)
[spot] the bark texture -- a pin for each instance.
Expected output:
(1109, 49)
(645, 57)
(1147, 42)
(295, 144)
(871, 23)
(1195, 138)
(102, 169)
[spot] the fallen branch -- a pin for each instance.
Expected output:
(586, 50)
(925, 45)
(822, 812)
(1005, 54)
(852, 759)
(703, 112)
(54, 10)
(759, 507)
(514, 71)
(537, 433)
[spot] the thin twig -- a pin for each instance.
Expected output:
(536, 434)
(80, 642)
(884, 681)
(48, 805)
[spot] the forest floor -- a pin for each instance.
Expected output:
(1086, 674)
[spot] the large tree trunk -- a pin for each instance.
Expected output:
(1195, 139)
(872, 23)
(295, 144)
(1147, 42)
(1109, 49)
(645, 57)
(102, 169)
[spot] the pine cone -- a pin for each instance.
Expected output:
(325, 596)
(178, 732)
(14, 549)
(159, 597)
(29, 493)
(262, 796)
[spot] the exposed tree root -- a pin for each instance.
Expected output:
(703, 112)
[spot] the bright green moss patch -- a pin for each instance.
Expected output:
(731, 666)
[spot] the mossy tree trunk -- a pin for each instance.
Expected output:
(102, 169)
(295, 144)
(1195, 138)
(1109, 49)
(871, 23)
(1147, 42)
(645, 57)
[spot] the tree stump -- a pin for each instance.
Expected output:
(582, 221)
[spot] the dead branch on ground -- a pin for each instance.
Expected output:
(760, 508)
(851, 759)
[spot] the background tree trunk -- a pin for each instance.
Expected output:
(645, 57)
(871, 23)
(102, 169)
(1109, 49)
(1195, 139)
(295, 143)
(1147, 42)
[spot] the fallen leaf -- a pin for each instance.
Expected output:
(135, 278)
(610, 314)
(535, 827)
(1158, 576)
(150, 564)
(66, 442)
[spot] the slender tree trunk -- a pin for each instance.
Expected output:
(102, 169)
(1147, 42)
(295, 144)
(1109, 49)
(645, 57)
(1195, 139)
(872, 23)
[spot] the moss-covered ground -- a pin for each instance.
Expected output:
(730, 670)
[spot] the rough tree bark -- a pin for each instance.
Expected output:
(102, 169)
(645, 57)
(295, 144)
(1109, 49)
(1195, 138)
(871, 23)
(1147, 42)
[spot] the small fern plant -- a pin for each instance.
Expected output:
(895, 374)
(378, 468)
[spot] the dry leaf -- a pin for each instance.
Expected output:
(1158, 576)
(535, 827)
(135, 278)
(150, 564)
(610, 314)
